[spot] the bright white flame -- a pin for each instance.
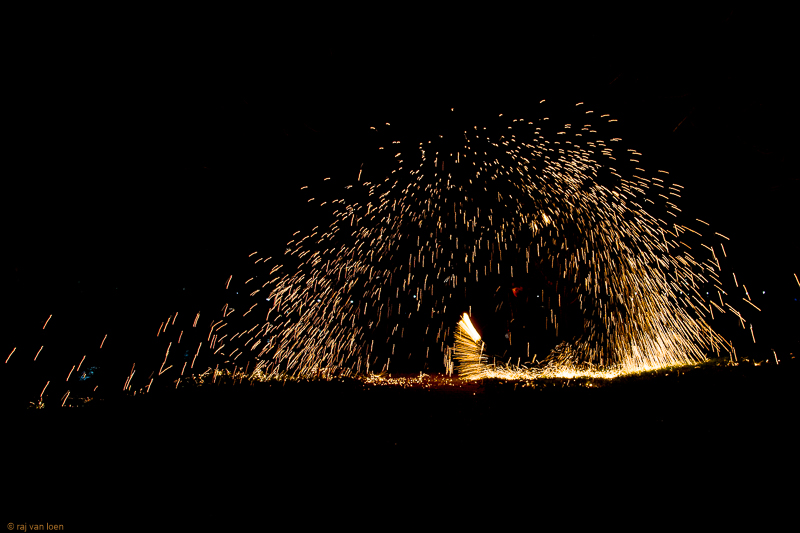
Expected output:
(467, 326)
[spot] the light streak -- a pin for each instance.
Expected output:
(195, 354)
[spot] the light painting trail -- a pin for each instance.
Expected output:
(462, 207)
(468, 350)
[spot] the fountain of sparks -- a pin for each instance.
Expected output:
(406, 245)
(468, 350)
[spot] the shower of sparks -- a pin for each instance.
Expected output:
(412, 240)
(453, 211)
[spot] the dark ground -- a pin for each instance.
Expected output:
(332, 443)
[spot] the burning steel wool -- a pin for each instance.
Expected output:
(406, 246)
(468, 350)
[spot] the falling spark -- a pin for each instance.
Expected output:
(195, 355)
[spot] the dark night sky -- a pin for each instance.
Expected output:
(148, 164)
